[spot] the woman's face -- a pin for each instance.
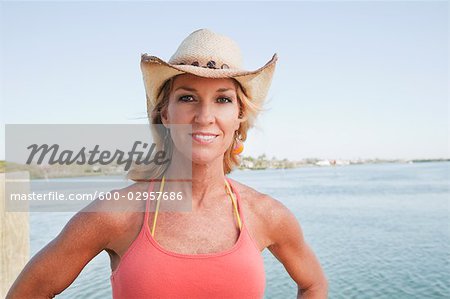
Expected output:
(211, 106)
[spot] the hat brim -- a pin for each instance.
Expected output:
(156, 71)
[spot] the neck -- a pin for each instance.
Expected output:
(208, 180)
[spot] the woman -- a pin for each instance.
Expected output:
(214, 250)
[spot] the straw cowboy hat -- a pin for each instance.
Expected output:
(206, 54)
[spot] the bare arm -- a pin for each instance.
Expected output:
(290, 248)
(57, 265)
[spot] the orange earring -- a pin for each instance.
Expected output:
(238, 147)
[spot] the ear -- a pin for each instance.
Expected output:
(240, 120)
(165, 117)
(237, 125)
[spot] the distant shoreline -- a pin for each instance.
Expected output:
(247, 163)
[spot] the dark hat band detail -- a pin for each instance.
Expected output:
(210, 65)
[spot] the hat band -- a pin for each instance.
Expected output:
(210, 65)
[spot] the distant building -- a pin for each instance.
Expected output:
(323, 163)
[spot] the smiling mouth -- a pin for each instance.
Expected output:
(203, 138)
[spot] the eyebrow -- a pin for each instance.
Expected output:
(194, 90)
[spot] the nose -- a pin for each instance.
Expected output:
(204, 114)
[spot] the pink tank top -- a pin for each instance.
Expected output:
(147, 270)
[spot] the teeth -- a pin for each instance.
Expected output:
(204, 137)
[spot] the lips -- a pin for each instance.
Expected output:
(203, 137)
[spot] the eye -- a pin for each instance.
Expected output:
(224, 100)
(187, 98)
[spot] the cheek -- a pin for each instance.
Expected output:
(230, 118)
(178, 114)
(229, 123)
(228, 112)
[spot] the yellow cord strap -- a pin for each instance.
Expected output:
(233, 199)
(228, 190)
(157, 204)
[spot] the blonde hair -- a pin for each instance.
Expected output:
(248, 111)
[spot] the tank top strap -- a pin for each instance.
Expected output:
(238, 200)
(147, 204)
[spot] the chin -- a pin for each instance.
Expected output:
(204, 157)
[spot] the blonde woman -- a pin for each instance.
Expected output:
(214, 250)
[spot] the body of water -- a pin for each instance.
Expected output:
(379, 231)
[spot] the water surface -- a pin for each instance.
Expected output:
(379, 231)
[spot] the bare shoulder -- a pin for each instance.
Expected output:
(117, 219)
(264, 205)
(266, 213)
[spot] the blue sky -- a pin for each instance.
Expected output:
(365, 79)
